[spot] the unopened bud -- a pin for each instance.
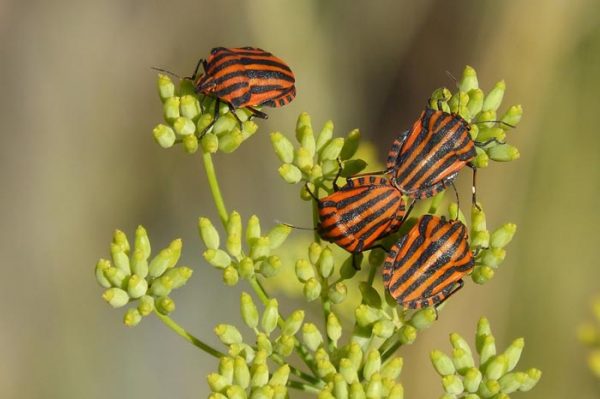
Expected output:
(513, 115)
(293, 323)
(270, 316)
(248, 310)
(165, 305)
(493, 257)
(468, 80)
(171, 109)
(101, 267)
(283, 147)
(189, 107)
(132, 317)
(374, 387)
(280, 376)
(284, 345)
(503, 236)
(311, 336)
(383, 328)
(331, 150)
(482, 274)
(146, 305)
(325, 135)
(304, 270)
(372, 364)
(423, 318)
(488, 388)
(475, 103)
(503, 153)
(136, 286)
(290, 173)
(161, 286)
(357, 391)
(326, 262)
(252, 229)
(533, 376)
(366, 315)
(139, 263)
(271, 266)
(166, 88)
(350, 145)
(142, 242)
(303, 159)
(230, 276)
(217, 258)
(241, 373)
(230, 141)
(334, 328)
(452, 384)
(210, 143)
(120, 258)
(472, 379)
(260, 248)
(442, 363)
(116, 297)
(337, 293)
(277, 235)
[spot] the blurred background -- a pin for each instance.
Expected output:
(78, 106)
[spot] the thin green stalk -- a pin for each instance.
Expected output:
(299, 373)
(213, 183)
(187, 336)
(387, 353)
(302, 387)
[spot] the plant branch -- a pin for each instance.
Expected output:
(213, 183)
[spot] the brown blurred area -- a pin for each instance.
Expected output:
(77, 160)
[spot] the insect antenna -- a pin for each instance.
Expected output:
(166, 71)
(296, 227)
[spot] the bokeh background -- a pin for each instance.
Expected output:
(78, 103)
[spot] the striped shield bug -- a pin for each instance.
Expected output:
(427, 264)
(427, 158)
(245, 77)
(366, 209)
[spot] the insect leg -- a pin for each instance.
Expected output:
(473, 187)
(257, 113)
(337, 176)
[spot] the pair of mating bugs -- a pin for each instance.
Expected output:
(426, 265)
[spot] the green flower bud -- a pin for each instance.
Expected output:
(280, 376)
(511, 382)
(263, 343)
(189, 107)
(337, 293)
(443, 95)
(270, 316)
(248, 128)
(204, 122)
(366, 315)
(315, 173)
(462, 360)
(136, 286)
(475, 103)
(407, 334)
(502, 236)
(277, 235)
(474, 133)
(325, 135)
(513, 353)
(179, 276)
(353, 167)
(482, 274)
(116, 297)
(355, 355)
(146, 305)
(314, 252)
(383, 328)
(487, 116)
(302, 121)
(340, 387)
(489, 388)
(459, 99)
(480, 239)
(139, 263)
(279, 392)
(330, 168)
(230, 276)
(503, 153)
(226, 369)
(533, 376)
(217, 258)
(260, 376)
(283, 147)
(392, 368)
(496, 367)
(234, 234)
(284, 345)
(241, 373)
(452, 384)
(472, 379)
(488, 349)
(101, 267)
(326, 263)
(459, 342)
(230, 141)
(347, 271)
(357, 391)
(120, 239)
(164, 305)
(326, 394)
(325, 368)
(304, 270)
(397, 392)
(116, 277)
(166, 259)
(252, 229)
(235, 392)
(306, 138)
(260, 248)
(348, 371)
(184, 126)
(513, 115)
(290, 173)
(493, 257)
(210, 143)
(350, 145)
(334, 328)
(132, 317)
(332, 150)
(442, 363)
(225, 124)
(216, 382)
(293, 323)
(423, 318)
(171, 109)
(494, 97)
(166, 88)
(468, 80)
(248, 310)
(120, 258)
(487, 134)
(271, 266)
(370, 295)
(161, 286)
(481, 159)
(303, 159)
(372, 364)
(216, 395)
(312, 289)
(311, 336)
(190, 143)
(246, 268)
(374, 387)
(477, 220)
(142, 242)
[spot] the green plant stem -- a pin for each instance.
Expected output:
(302, 387)
(388, 350)
(213, 183)
(299, 373)
(187, 336)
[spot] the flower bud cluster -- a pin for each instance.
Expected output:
(231, 257)
(133, 276)
(493, 377)
(477, 108)
(190, 120)
(318, 158)
(358, 374)
(313, 272)
(589, 334)
(488, 247)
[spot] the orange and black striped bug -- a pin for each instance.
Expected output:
(245, 77)
(427, 158)
(366, 209)
(427, 265)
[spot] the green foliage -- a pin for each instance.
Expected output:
(351, 351)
